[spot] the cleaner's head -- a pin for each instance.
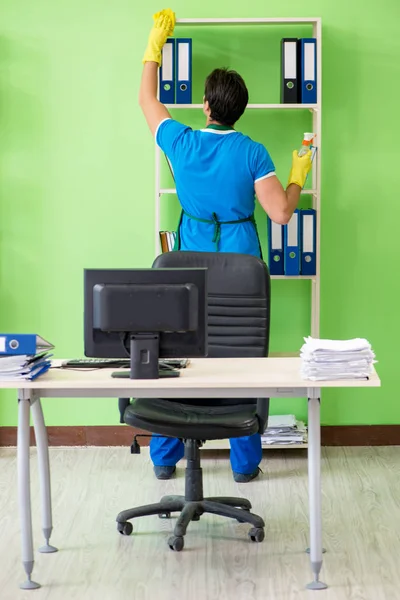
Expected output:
(225, 96)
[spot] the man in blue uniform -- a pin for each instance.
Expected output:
(218, 171)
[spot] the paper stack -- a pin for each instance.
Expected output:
(284, 430)
(336, 359)
(24, 367)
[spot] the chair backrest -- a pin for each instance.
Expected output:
(238, 300)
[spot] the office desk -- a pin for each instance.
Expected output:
(216, 378)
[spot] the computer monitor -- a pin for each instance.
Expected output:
(145, 314)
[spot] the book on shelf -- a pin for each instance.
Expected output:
(299, 71)
(292, 248)
(167, 239)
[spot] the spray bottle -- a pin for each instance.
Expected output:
(306, 144)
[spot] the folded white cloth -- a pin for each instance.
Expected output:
(336, 359)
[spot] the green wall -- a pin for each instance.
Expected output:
(77, 172)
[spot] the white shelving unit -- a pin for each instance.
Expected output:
(315, 191)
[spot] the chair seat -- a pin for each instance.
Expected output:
(191, 421)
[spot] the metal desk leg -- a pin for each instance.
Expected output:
(24, 489)
(314, 485)
(44, 474)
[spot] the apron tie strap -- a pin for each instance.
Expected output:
(217, 231)
(217, 227)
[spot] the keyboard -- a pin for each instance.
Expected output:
(120, 363)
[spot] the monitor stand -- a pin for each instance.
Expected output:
(144, 355)
(162, 373)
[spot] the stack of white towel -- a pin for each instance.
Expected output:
(336, 359)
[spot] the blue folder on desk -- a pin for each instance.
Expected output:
(23, 343)
(307, 52)
(291, 244)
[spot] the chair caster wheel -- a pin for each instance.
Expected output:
(256, 534)
(125, 528)
(165, 515)
(176, 543)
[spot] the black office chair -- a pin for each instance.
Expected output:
(238, 326)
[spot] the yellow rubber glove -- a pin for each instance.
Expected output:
(164, 23)
(301, 166)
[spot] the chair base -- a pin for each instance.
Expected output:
(192, 505)
(233, 508)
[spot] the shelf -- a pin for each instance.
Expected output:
(312, 113)
(163, 191)
(309, 192)
(284, 446)
(289, 277)
(313, 107)
(251, 21)
(224, 445)
(166, 191)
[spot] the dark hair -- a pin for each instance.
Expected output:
(227, 96)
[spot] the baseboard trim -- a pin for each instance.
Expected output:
(118, 435)
(360, 435)
(112, 435)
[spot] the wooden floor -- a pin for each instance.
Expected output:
(361, 515)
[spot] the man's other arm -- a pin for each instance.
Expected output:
(279, 204)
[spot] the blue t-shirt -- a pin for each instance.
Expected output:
(215, 171)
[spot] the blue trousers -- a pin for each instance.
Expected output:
(246, 452)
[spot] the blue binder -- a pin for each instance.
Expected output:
(22, 343)
(291, 241)
(275, 248)
(308, 241)
(308, 70)
(167, 73)
(290, 79)
(184, 71)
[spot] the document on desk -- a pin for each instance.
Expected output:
(24, 367)
(336, 359)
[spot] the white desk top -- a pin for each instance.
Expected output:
(229, 377)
